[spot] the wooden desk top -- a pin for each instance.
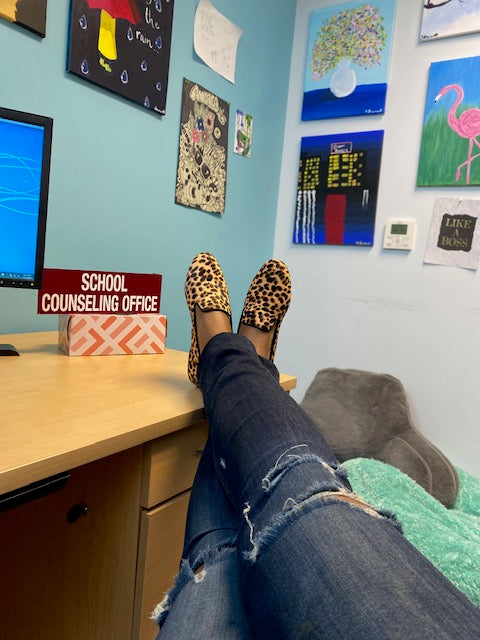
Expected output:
(59, 412)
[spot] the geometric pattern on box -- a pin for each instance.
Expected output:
(102, 335)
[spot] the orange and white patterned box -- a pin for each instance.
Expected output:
(104, 335)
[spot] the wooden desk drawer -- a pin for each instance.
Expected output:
(159, 553)
(170, 463)
(74, 580)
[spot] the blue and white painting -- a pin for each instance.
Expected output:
(446, 18)
(347, 60)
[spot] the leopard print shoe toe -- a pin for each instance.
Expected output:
(268, 299)
(205, 287)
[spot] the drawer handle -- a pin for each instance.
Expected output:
(33, 491)
(76, 512)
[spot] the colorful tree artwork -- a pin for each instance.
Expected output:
(347, 62)
(450, 148)
(123, 46)
(337, 189)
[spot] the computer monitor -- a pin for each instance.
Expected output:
(25, 149)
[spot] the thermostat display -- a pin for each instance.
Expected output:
(399, 234)
(399, 229)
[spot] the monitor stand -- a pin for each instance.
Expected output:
(8, 350)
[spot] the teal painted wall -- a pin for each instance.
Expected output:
(112, 183)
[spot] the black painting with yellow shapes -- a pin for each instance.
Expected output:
(202, 156)
(123, 46)
(31, 14)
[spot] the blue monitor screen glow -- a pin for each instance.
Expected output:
(25, 148)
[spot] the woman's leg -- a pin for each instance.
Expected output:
(316, 562)
(206, 601)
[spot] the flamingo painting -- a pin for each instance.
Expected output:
(466, 125)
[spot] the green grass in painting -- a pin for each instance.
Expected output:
(441, 152)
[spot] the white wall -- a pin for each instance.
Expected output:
(381, 310)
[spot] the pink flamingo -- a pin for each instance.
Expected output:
(467, 125)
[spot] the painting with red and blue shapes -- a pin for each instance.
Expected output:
(123, 46)
(337, 189)
(450, 148)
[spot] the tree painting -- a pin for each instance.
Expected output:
(444, 18)
(354, 35)
(347, 61)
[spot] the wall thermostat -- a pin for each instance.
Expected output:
(399, 234)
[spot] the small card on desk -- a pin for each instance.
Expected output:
(111, 334)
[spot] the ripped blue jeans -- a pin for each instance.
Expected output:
(277, 546)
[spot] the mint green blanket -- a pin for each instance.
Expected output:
(449, 538)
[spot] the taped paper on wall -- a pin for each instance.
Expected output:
(215, 39)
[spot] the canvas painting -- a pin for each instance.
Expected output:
(337, 189)
(450, 148)
(31, 14)
(202, 156)
(446, 18)
(243, 134)
(454, 237)
(123, 46)
(347, 60)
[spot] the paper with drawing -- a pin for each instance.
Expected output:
(215, 40)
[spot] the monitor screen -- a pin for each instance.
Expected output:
(25, 147)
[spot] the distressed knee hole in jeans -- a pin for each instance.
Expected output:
(330, 489)
(294, 456)
(193, 571)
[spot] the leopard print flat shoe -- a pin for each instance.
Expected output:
(268, 299)
(205, 287)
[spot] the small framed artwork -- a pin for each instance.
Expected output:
(123, 46)
(347, 60)
(447, 18)
(450, 147)
(337, 189)
(31, 14)
(243, 134)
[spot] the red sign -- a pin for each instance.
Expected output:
(71, 291)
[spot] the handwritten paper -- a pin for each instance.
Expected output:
(215, 40)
